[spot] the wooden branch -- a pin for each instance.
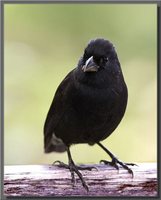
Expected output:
(48, 180)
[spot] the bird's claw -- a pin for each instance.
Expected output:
(132, 164)
(74, 169)
(115, 163)
(63, 165)
(60, 164)
(87, 168)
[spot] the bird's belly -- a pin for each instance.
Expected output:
(89, 122)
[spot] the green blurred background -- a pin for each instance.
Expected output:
(43, 42)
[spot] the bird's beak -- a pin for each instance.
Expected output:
(90, 66)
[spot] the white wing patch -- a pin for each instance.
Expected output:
(55, 140)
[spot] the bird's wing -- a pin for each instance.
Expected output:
(55, 113)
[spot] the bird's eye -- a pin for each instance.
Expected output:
(105, 59)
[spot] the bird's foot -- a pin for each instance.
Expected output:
(89, 168)
(115, 163)
(63, 165)
(74, 169)
(60, 164)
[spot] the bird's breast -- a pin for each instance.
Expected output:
(93, 106)
(92, 114)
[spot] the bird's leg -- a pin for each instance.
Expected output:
(116, 161)
(73, 168)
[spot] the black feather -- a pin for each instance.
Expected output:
(87, 106)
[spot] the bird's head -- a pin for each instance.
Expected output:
(97, 55)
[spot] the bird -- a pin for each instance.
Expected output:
(87, 107)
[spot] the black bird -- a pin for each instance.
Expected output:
(88, 105)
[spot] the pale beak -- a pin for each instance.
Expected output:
(90, 66)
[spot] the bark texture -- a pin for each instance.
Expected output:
(50, 181)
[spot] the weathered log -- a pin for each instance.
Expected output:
(48, 180)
